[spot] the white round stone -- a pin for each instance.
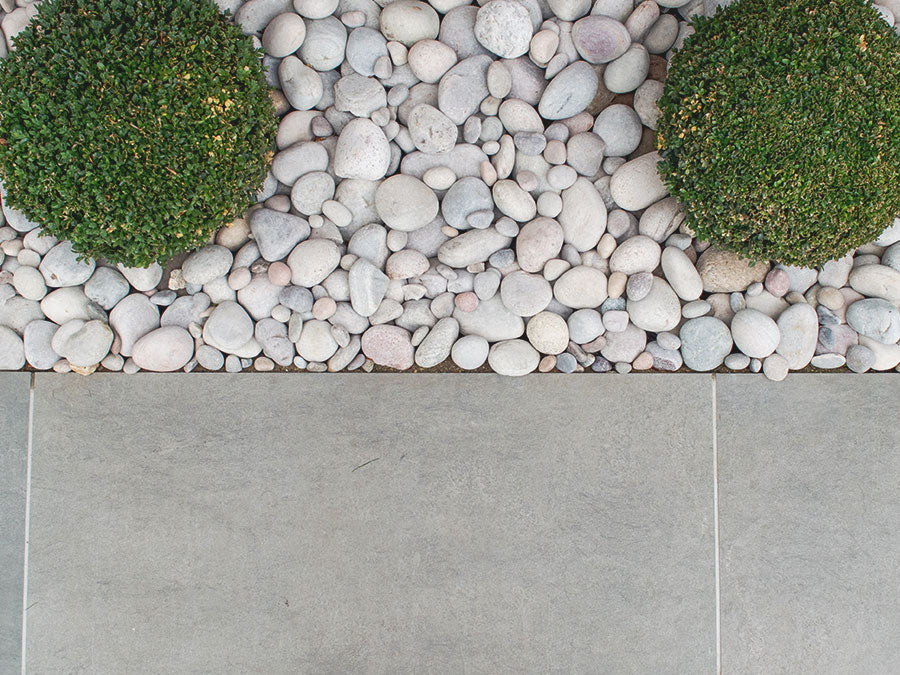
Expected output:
(628, 71)
(620, 128)
(585, 325)
(583, 215)
(754, 333)
(799, 328)
(538, 241)
(311, 191)
(206, 264)
(600, 39)
(548, 333)
(635, 254)
(164, 350)
(316, 341)
(408, 21)
(581, 287)
(681, 274)
(12, 350)
(405, 203)
(302, 86)
(29, 283)
(513, 358)
(431, 130)
(325, 44)
(228, 327)
(525, 294)
(430, 59)
(313, 260)
(82, 343)
(513, 201)
(362, 151)
(569, 92)
(636, 184)
(658, 311)
(504, 28)
(132, 318)
(705, 342)
(61, 267)
(470, 352)
(284, 35)
(315, 9)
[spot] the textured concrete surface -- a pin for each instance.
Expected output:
(14, 393)
(809, 523)
(372, 524)
(449, 523)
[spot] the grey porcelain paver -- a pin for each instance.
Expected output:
(809, 523)
(14, 393)
(221, 523)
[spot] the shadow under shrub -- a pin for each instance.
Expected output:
(779, 128)
(134, 128)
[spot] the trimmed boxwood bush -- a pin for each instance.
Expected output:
(779, 128)
(134, 128)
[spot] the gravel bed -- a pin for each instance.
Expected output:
(456, 186)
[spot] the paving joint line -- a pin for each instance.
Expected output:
(715, 444)
(28, 447)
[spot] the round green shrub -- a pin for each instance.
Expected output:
(779, 128)
(133, 128)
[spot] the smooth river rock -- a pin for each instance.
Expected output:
(799, 328)
(569, 92)
(876, 318)
(513, 358)
(636, 184)
(12, 350)
(659, 310)
(61, 267)
(754, 333)
(877, 281)
(388, 346)
(723, 271)
(490, 320)
(705, 342)
(164, 350)
(472, 247)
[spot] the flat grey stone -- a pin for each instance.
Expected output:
(178, 536)
(808, 522)
(13, 445)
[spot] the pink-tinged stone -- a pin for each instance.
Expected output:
(279, 273)
(324, 308)
(388, 346)
(164, 350)
(644, 361)
(466, 302)
(778, 282)
(547, 364)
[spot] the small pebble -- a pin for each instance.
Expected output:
(566, 363)
(466, 302)
(546, 364)
(324, 308)
(263, 364)
(737, 361)
(643, 361)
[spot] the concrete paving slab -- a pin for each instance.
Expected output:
(14, 394)
(809, 516)
(372, 523)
